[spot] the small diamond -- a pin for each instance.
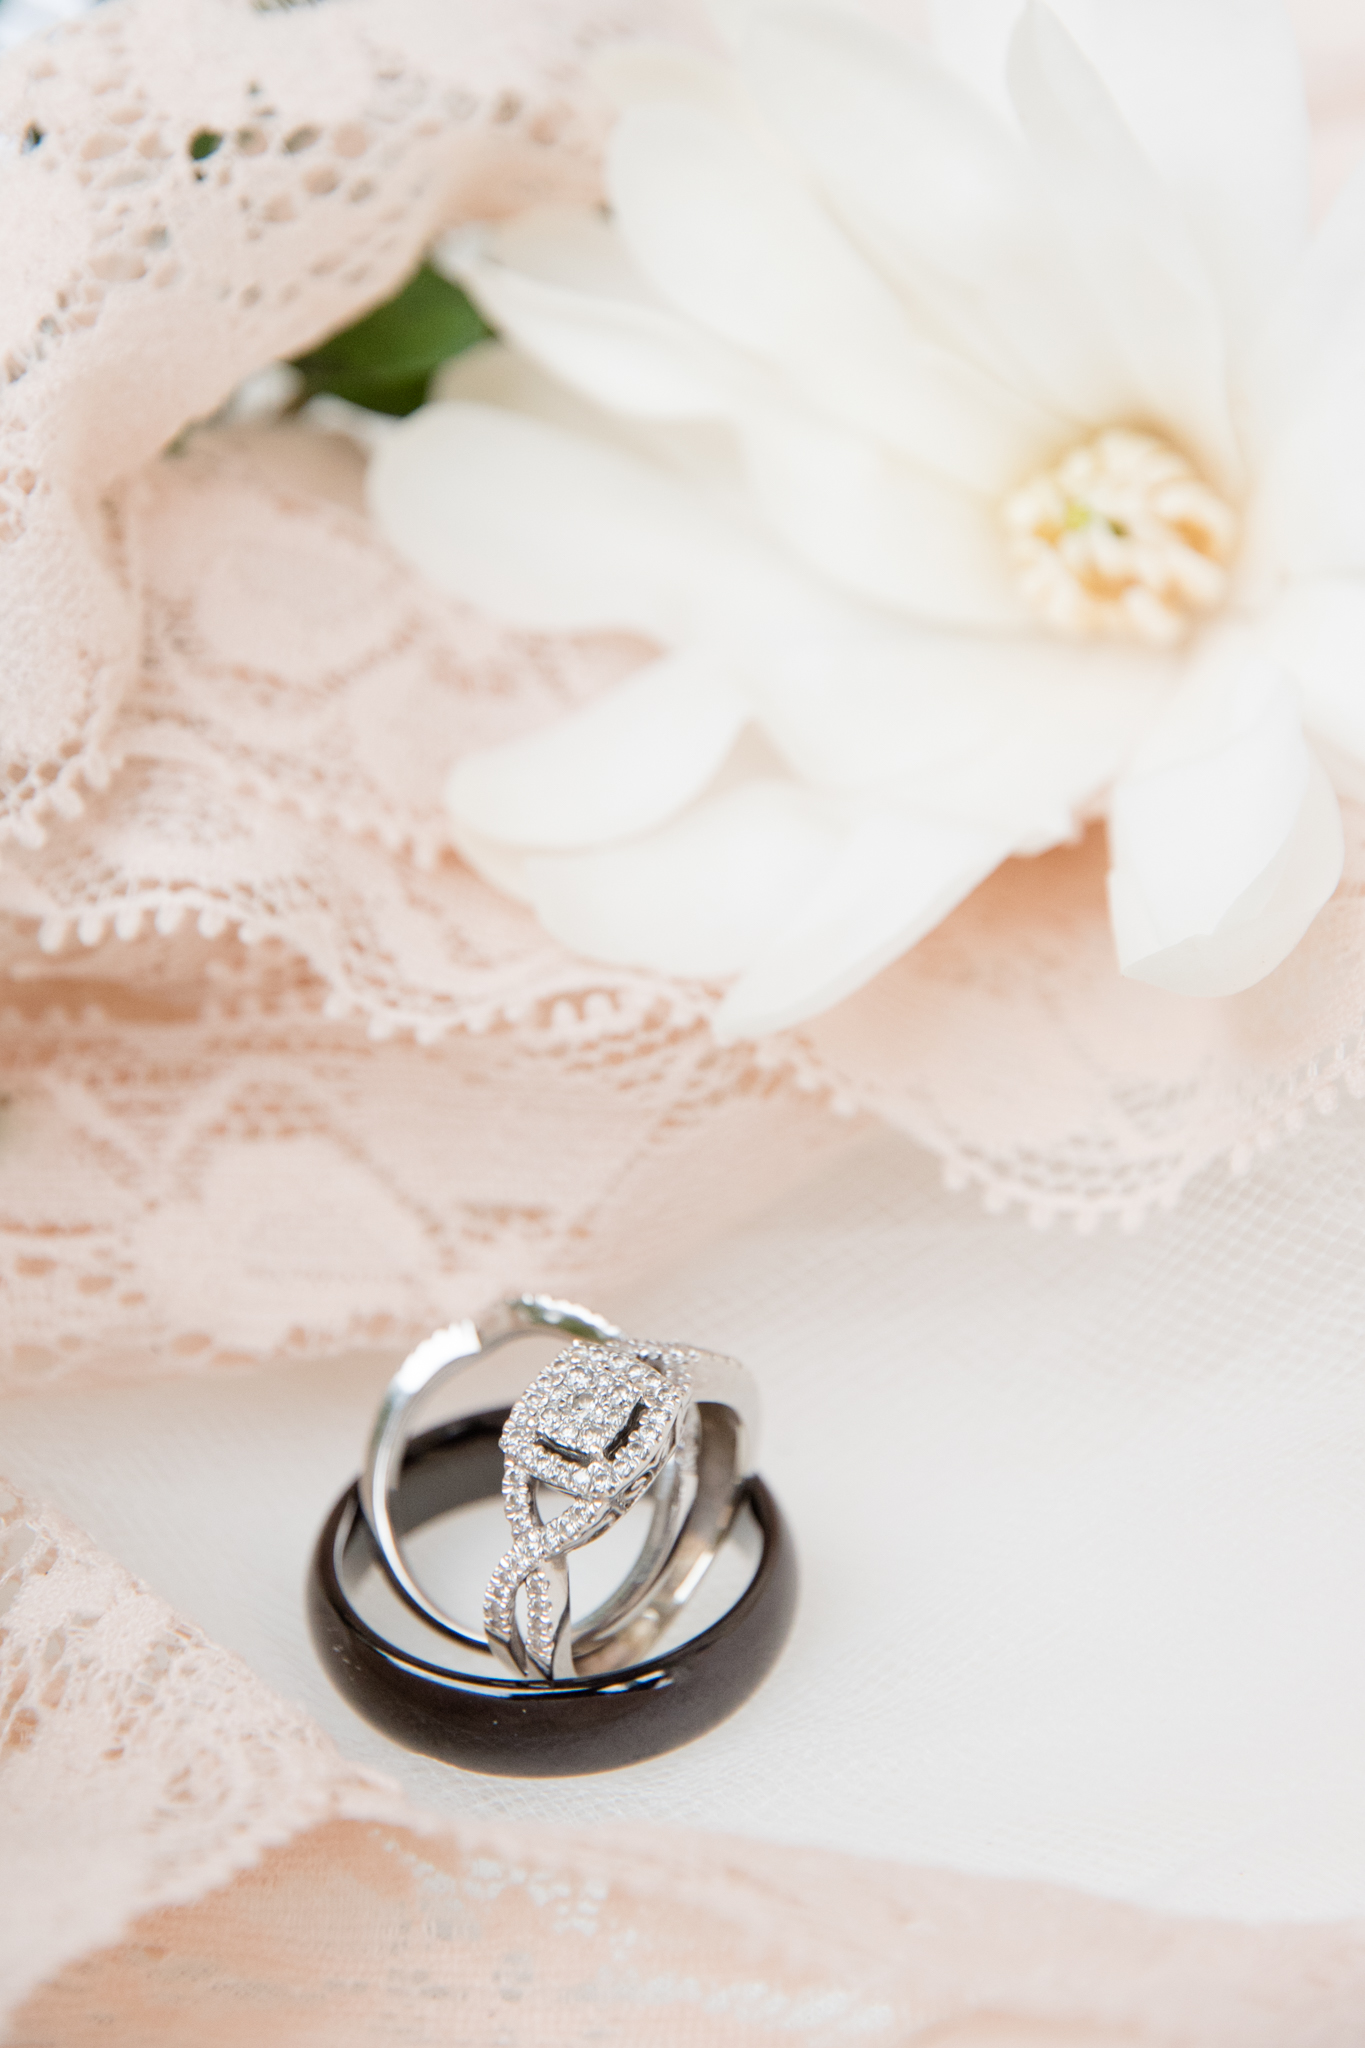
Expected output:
(595, 1424)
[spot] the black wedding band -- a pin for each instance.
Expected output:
(514, 1727)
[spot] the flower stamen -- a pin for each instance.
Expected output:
(1122, 539)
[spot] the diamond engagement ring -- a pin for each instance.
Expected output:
(600, 1425)
(612, 1421)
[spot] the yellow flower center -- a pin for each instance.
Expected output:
(1122, 539)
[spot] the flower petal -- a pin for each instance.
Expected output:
(893, 880)
(491, 373)
(705, 455)
(503, 866)
(1307, 517)
(945, 198)
(1317, 632)
(973, 39)
(880, 527)
(1320, 319)
(726, 231)
(1017, 734)
(1225, 837)
(637, 72)
(1213, 91)
(554, 531)
(619, 766)
(699, 896)
(558, 284)
(1129, 239)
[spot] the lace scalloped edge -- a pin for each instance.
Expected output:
(581, 1009)
(1315, 1085)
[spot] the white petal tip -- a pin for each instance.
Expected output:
(620, 766)
(1262, 928)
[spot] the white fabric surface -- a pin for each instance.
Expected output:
(1081, 1521)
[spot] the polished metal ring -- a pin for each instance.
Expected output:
(611, 1421)
(484, 1720)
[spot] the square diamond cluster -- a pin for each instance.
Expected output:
(599, 1417)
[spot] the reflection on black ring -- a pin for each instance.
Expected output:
(508, 1726)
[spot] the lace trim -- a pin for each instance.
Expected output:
(141, 1764)
(173, 226)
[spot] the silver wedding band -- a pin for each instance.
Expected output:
(610, 1422)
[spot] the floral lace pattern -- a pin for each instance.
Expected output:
(263, 897)
(189, 1180)
(260, 704)
(212, 1769)
(144, 1769)
(1040, 1077)
(260, 1032)
(175, 226)
(280, 758)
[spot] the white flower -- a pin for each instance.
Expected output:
(981, 436)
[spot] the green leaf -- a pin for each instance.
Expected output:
(386, 360)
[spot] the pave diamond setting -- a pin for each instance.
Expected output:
(598, 1417)
(598, 1424)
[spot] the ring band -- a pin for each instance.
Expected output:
(515, 1727)
(609, 1422)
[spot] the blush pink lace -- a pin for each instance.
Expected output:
(144, 1769)
(262, 1038)
(227, 714)
(140, 1762)
(255, 1002)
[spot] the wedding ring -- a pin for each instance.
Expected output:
(488, 1721)
(610, 1422)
